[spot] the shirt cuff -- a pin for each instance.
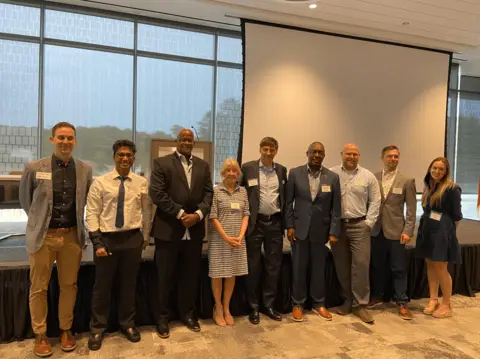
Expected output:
(180, 214)
(200, 214)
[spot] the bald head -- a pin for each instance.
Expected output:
(185, 142)
(350, 156)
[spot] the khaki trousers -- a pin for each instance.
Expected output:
(60, 245)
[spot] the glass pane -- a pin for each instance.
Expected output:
(228, 116)
(89, 29)
(172, 41)
(18, 104)
(468, 148)
(93, 90)
(20, 20)
(454, 77)
(230, 49)
(171, 95)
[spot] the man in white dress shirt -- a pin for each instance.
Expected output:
(360, 207)
(119, 215)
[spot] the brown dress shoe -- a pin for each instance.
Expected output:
(323, 312)
(67, 341)
(374, 303)
(297, 313)
(344, 309)
(42, 347)
(405, 313)
(364, 315)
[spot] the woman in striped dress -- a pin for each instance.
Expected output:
(227, 252)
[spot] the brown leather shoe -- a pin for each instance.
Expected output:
(374, 303)
(67, 341)
(363, 314)
(42, 347)
(344, 309)
(323, 312)
(297, 313)
(405, 313)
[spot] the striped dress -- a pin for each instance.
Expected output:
(229, 209)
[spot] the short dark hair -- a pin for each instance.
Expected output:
(269, 141)
(389, 148)
(63, 124)
(313, 144)
(124, 143)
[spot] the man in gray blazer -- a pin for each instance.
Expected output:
(53, 192)
(313, 213)
(393, 231)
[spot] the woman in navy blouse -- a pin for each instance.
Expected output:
(437, 238)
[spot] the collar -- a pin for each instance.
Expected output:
(189, 161)
(354, 170)
(394, 173)
(223, 188)
(260, 165)
(314, 172)
(60, 162)
(116, 175)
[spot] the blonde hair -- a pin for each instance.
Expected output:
(445, 183)
(227, 163)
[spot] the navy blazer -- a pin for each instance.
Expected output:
(251, 171)
(317, 219)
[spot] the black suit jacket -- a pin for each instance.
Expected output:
(251, 171)
(169, 191)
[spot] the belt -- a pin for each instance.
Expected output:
(61, 230)
(267, 217)
(353, 220)
(128, 231)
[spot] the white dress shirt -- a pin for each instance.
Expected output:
(102, 204)
(387, 181)
(360, 194)
(187, 167)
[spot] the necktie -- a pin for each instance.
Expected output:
(119, 219)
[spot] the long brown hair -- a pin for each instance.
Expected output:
(444, 184)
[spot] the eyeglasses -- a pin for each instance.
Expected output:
(124, 154)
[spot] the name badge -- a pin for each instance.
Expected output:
(44, 175)
(253, 182)
(397, 190)
(435, 215)
(326, 188)
(235, 205)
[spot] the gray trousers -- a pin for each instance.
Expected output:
(352, 261)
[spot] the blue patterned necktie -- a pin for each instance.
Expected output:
(119, 219)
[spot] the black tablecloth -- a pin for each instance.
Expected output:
(14, 286)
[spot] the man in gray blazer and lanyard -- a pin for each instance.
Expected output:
(53, 192)
(393, 231)
(264, 181)
(313, 212)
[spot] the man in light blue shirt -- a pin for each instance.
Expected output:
(361, 200)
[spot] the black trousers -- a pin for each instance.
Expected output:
(313, 254)
(389, 256)
(269, 233)
(178, 262)
(125, 263)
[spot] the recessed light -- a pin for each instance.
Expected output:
(312, 6)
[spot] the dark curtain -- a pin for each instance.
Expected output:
(14, 286)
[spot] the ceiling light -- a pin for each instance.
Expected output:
(312, 6)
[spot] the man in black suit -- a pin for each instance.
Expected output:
(264, 181)
(312, 216)
(181, 188)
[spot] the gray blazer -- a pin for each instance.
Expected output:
(36, 199)
(316, 219)
(391, 219)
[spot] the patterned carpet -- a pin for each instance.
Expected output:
(343, 338)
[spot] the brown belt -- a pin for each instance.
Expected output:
(353, 220)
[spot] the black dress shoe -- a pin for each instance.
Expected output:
(95, 341)
(254, 316)
(272, 314)
(132, 334)
(192, 324)
(163, 331)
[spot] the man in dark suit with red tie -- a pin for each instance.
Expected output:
(181, 188)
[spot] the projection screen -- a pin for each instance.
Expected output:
(302, 86)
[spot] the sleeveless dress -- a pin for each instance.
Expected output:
(437, 235)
